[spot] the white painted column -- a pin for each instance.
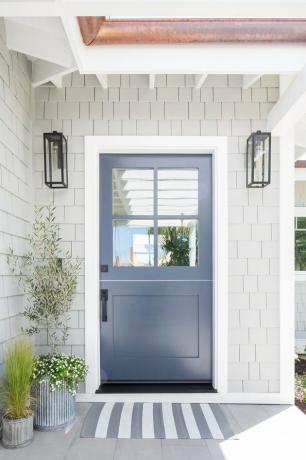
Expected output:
(92, 274)
(287, 287)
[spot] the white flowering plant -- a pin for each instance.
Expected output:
(60, 370)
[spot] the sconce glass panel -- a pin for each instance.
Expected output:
(258, 160)
(55, 160)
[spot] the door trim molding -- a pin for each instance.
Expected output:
(213, 145)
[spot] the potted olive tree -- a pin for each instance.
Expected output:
(17, 422)
(49, 278)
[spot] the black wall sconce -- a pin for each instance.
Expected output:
(55, 160)
(258, 160)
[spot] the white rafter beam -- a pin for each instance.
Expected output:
(284, 82)
(199, 80)
(152, 80)
(57, 81)
(103, 80)
(37, 42)
(290, 107)
(223, 58)
(300, 152)
(300, 137)
(43, 72)
(249, 80)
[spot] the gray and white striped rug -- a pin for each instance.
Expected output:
(156, 421)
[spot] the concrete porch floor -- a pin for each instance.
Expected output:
(264, 432)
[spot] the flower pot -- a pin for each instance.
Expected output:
(54, 409)
(17, 433)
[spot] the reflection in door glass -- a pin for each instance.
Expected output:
(178, 243)
(132, 192)
(133, 243)
(177, 192)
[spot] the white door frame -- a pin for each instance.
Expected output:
(217, 147)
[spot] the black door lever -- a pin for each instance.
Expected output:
(103, 304)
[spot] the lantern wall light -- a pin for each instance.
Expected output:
(258, 160)
(55, 160)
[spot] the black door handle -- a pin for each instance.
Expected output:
(103, 304)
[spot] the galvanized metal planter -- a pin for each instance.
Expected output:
(54, 410)
(17, 433)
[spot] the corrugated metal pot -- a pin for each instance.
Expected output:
(17, 433)
(54, 410)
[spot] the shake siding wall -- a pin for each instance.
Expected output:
(15, 180)
(174, 107)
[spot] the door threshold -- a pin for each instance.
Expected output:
(135, 388)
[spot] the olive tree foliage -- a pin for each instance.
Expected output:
(48, 277)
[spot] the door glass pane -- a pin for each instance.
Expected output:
(132, 191)
(133, 243)
(177, 192)
(178, 243)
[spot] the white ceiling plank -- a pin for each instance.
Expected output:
(153, 8)
(29, 9)
(290, 107)
(43, 72)
(249, 80)
(200, 79)
(102, 80)
(152, 81)
(36, 42)
(49, 25)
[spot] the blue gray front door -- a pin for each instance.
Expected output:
(156, 268)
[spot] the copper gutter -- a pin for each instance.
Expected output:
(97, 30)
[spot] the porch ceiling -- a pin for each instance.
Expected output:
(55, 44)
(55, 37)
(56, 48)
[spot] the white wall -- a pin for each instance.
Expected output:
(15, 180)
(174, 107)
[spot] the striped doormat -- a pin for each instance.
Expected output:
(156, 421)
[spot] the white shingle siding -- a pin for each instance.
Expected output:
(15, 180)
(174, 107)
